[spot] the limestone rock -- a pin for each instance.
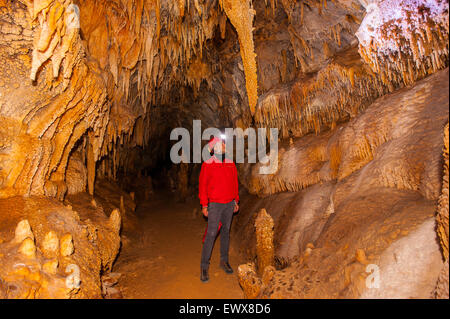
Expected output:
(23, 230)
(91, 91)
(361, 256)
(28, 248)
(384, 192)
(28, 266)
(442, 289)
(442, 223)
(66, 245)
(419, 39)
(115, 221)
(249, 281)
(122, 206)
(50, 245)
(51, 267)
(264, 240)
(268, 274)
(442, 215)
(76, 174)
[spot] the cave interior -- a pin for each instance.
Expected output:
(357, 91)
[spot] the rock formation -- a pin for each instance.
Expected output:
(342, 185)
(58, 240)
(91, 89)
(442, 290)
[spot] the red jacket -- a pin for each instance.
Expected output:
(218, 182)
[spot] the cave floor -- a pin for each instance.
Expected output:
(162, 258)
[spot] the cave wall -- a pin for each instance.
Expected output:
(442, 286)
(51, 250)
(363, 193)
(377, 162)
(43, 119)
(65, 84)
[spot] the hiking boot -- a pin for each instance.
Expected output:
(226, 267)
(204, 277)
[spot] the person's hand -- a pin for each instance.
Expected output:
(205, 211)
(236, 207)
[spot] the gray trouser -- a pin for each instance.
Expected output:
(223, 213)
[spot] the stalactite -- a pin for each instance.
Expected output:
(295, 107)
(142, 41)
(49, 43)
(407, 47)
(241, 15)
(130, 38)
(339, 153)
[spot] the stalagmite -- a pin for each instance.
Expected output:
(122, 205)
(23, 230)
(361, 256)
(28, 248)
(50, 245)
(269, 273)
(51, 267)
(249, 281)
(115, 220)
(264, 241)
(66, 245)
(442, 287)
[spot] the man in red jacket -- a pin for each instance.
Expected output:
(219, 197)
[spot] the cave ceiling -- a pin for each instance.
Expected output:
(98, 76)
